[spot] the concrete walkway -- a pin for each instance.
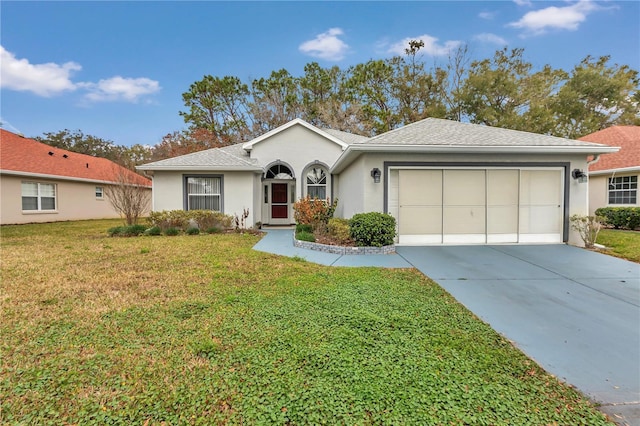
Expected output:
(576, 312)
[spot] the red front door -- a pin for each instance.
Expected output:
(279, 201)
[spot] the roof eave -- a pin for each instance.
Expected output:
(356, 149)
(617, 170)
(176, 168)
(61, 177)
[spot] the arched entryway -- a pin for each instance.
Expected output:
(279, 189)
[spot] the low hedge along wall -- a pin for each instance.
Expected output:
(620, 217)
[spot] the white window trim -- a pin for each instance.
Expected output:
(311, 185)
(610, 191)
(101, 196)
(220, 195)
(39, 208)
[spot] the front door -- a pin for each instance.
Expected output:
(279, 201)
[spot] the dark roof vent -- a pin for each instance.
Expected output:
(65, 156)
(50, 152)
(87, 165)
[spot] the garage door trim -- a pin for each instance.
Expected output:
(565, 166)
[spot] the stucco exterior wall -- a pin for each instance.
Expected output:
(238, 192)
(74, 201)
(350, 190)
(298, 147)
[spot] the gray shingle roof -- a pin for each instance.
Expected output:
(439, 132)
(232, 156)
(345, 137)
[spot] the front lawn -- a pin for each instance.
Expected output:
(203, 330)
(625, 244)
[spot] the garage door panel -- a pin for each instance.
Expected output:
(502, 219)
(420, 187)
(420, 220)
(540, 220)
(502, 187)
(464, 188)
(464, 220)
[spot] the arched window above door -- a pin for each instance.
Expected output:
(279, 171)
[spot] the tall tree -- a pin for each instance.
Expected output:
(77, 141)
(276, 100)
(184, 142)
(597, 95)
(219, 105)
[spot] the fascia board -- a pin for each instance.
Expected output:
(611, 171)
(203, 168)
(343, 160)
(58, 177)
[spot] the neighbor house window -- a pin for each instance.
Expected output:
(99, 192)
(204, 193)
(317, 183)
(623, 190)
(38, 196)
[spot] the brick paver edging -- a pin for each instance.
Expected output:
(343, 250)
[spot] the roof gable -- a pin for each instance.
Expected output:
(625, 137)
(296, 122)
(20, 155)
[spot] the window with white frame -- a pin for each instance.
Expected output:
(317, 182)
(38, 196)
(99, 192)
(623, 190)
(204, 193)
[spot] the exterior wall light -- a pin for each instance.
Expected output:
(579, 175)
(375, 174)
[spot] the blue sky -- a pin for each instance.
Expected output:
(117, 70)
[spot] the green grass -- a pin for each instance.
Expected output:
(625, 244)
(204, 330)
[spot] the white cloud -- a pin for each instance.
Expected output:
(42, 79)
(431, 46)
(120, 88)
(490, 38)
(52, 79)
(564, 18)
(522, 2)
(326, 45)
(487, 15)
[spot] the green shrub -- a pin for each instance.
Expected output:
(304, 227)
(373, 229)
(185, 219)
(620, 217)
(306, 236)
(154, 230)
(193, 231)
(213, 230)
(339, 229)
(170, 232)
(126, 231)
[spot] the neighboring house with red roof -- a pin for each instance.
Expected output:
(40, 183)
(613, 178)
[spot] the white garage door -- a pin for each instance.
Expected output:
(455, 206)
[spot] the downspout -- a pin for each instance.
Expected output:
(596, 157)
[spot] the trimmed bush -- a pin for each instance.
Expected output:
(193, 231)
(154, 230)
(183, 219)
(171, 232)
(373, 229)
(339, 230)
(304, 227)
(126, 231)
(306, 236)
(621, 217)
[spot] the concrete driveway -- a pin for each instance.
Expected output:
(576, 312)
